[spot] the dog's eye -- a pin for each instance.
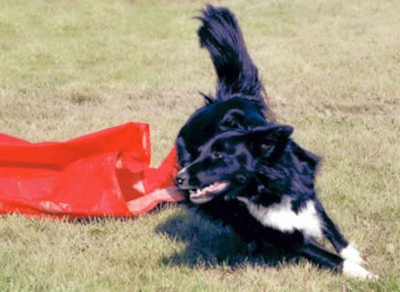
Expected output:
(236, 125)
(232, 124)
(217, 155)
(266, 149)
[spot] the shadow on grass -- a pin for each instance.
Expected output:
(210, 244)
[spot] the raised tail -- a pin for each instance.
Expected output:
(221, 35)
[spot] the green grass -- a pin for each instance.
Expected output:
(331, 70)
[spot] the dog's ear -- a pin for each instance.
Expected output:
(269, 142)
(208, 99)
(221, 35)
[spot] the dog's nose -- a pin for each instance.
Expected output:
(182, 177)
(179, 180)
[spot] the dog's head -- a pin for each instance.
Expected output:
(240, 101)
(215, 118)
(228, 162)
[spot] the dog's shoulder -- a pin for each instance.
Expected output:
(283, 216)
(285, 196)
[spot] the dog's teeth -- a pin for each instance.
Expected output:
(195, 192)
(212, 188)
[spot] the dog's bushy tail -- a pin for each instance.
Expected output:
(221, 35)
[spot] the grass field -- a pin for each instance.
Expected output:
(331, 69)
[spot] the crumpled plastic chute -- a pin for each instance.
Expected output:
(106, 173)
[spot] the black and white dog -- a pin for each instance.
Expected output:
(240, 167)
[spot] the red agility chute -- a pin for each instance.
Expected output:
(101, 174)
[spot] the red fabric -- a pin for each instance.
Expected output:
(105, 173)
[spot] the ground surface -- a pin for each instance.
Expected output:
(331, 70)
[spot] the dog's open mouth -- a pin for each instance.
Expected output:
(203, 195)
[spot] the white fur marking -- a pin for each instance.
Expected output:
(282, 217)
(353, 270)
(182, 170)
(352, 254)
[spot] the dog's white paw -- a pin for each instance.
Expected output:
(354, 270)
(351, 254)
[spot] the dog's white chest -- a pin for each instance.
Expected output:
(280, 216)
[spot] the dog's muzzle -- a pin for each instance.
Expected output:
(200, 195)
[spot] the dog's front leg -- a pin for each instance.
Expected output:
(322, 257)
(331, 231)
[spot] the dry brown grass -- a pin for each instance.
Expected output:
(331, 69)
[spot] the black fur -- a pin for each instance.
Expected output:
(221, 35)
(233, 155)
(240, 100)
(262, 166)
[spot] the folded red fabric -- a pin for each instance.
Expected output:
(106, 173)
